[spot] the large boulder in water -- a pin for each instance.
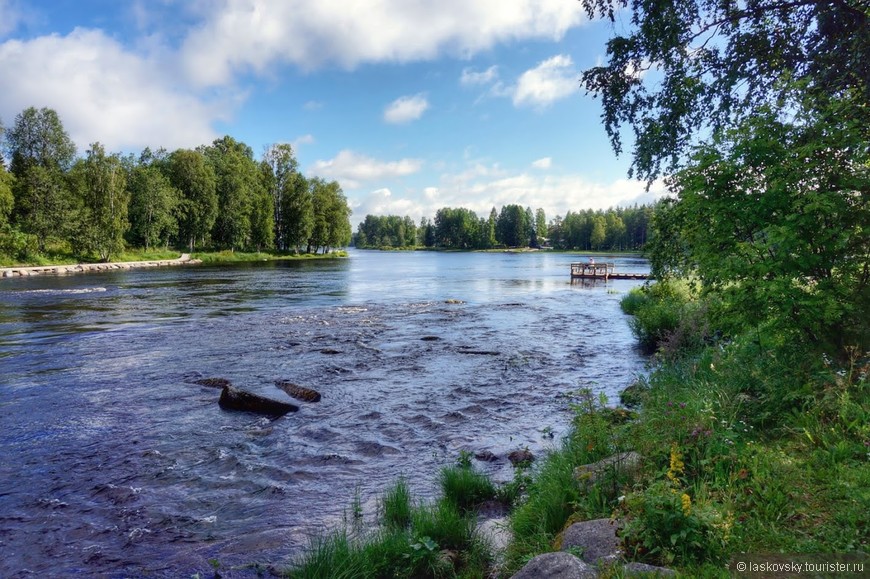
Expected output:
(235, 399)
(298, 392)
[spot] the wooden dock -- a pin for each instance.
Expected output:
(604, 270)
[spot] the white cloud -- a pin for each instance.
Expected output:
(472, 78)
(11, 16)
(406, 109)
(103, 92)
(382, 202)
(313, 106)
(351, 169)
(544, 163)
(303, 140)
(240, 36)
(552, 80)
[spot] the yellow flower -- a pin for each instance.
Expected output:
(687, 504)
(727, 525)
(677, 464)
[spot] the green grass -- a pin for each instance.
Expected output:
(751, 444)
(396, 506)
(150, 255)
(60, 254)
(227, 256)
(465, 487)
(425, 540)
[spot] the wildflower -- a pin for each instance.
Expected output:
(686, 500)
(677, 465)
(726, 526)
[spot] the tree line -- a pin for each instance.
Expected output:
(215, 196)
(616, 229)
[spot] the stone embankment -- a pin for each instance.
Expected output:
(88, 267)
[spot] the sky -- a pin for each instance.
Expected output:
(411, 105)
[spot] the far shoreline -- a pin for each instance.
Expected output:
(185, 259)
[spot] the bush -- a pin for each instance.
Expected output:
(17, 247)
(667, 318)
(663, 524)
(636, 298)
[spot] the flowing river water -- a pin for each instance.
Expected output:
(114, 463)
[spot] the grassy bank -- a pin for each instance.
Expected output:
(59, 255)
(748, 444)
(216, 257)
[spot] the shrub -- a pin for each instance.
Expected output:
(17, 247)
(636, 298)
(664, 524)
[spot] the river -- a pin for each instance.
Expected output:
(116, 464)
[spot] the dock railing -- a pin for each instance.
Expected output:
(596, 270)
(603, 270)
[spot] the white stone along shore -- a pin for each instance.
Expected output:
(86, 267)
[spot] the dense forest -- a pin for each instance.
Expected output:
(620, 229)
(216, 196)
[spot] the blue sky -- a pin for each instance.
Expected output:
(411, 105)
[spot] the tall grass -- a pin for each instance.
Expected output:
(396, 505)
(424, 540)
(465, 487)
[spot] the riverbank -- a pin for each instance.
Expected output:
(218, 257)
(184, 260)
(27, 271)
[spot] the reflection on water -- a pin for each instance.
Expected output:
(117, 463)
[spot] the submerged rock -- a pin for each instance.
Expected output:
(298, 392)
(521, 457)
(485, 456)
(213, 382)
(234, 399)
